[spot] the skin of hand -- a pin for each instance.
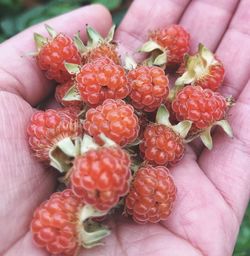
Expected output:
(213, 186)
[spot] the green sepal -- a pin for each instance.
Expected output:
(87, 144)
(162, 116)
(129, 63)
(72, 68)
(91, 233)
(94, 37)
(63, 152)
(183, 128)
(161, 59)
(150, 46)
(51, 31)
(226, 127)
(110, 35)
(72, 94)
(206, 138)
(79, 43)
(107, 141)
(40, 41)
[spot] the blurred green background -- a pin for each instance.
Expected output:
(16, 15)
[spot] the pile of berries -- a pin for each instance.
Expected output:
(118, 130)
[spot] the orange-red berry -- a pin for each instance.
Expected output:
(151, 195)
(115, 119)
(161, 145)
(101, 79)
(54, 54)
(103, 50)
(175, 40)
(54, 223)
(201, 106)
(100, 177)
(149, 87)
(46, 128)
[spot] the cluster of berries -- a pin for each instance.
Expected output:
(112, 141)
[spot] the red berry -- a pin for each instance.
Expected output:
(151, 195)
(115, 119)
(175, 40)
(201, 69)
(107, 50)
(201, 106)
(55, 224)
(61, 91)
(47, 128)
(101, 79)
(161, 145)
(54, 54)
(149, 87)
(213, 78)
(100, 177)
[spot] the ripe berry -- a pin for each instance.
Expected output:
(61, 91)
(53, 53)
(171, 42)
(54, 223)
(202, 69)
(100, 177)
(151, 195)
(115, 119)
(97, 46)
(103, 50)
(201, 106)
(47, 128)
(161, 145)
(101, 79)
(61, 225)
(149, 87)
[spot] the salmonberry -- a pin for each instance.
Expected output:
(151, 195)
(171, 42)
(100, 177)
(161, 145)
(101, 79)
(115, 119)
(149, 87)
(202, 69)
(47, 129)
(60, 225)
(97, 46)
(201, 106)
(53, 53)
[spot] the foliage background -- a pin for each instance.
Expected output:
(16, 15)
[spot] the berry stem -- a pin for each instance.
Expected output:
(88, 144)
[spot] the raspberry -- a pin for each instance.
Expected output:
(201, 106)
(115, 119)
(161, 145)
(100, 177)
(213, 78)
(151, 195)
(52, 55)
(47, 128)
(61, 91)
(201, 69)
(101, 79)
(103, 50)
(171, 42)
(149, 87)
(54, 223)
(175, 40)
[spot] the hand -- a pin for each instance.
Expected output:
(213, 186)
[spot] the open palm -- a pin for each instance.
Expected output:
(213, 187)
